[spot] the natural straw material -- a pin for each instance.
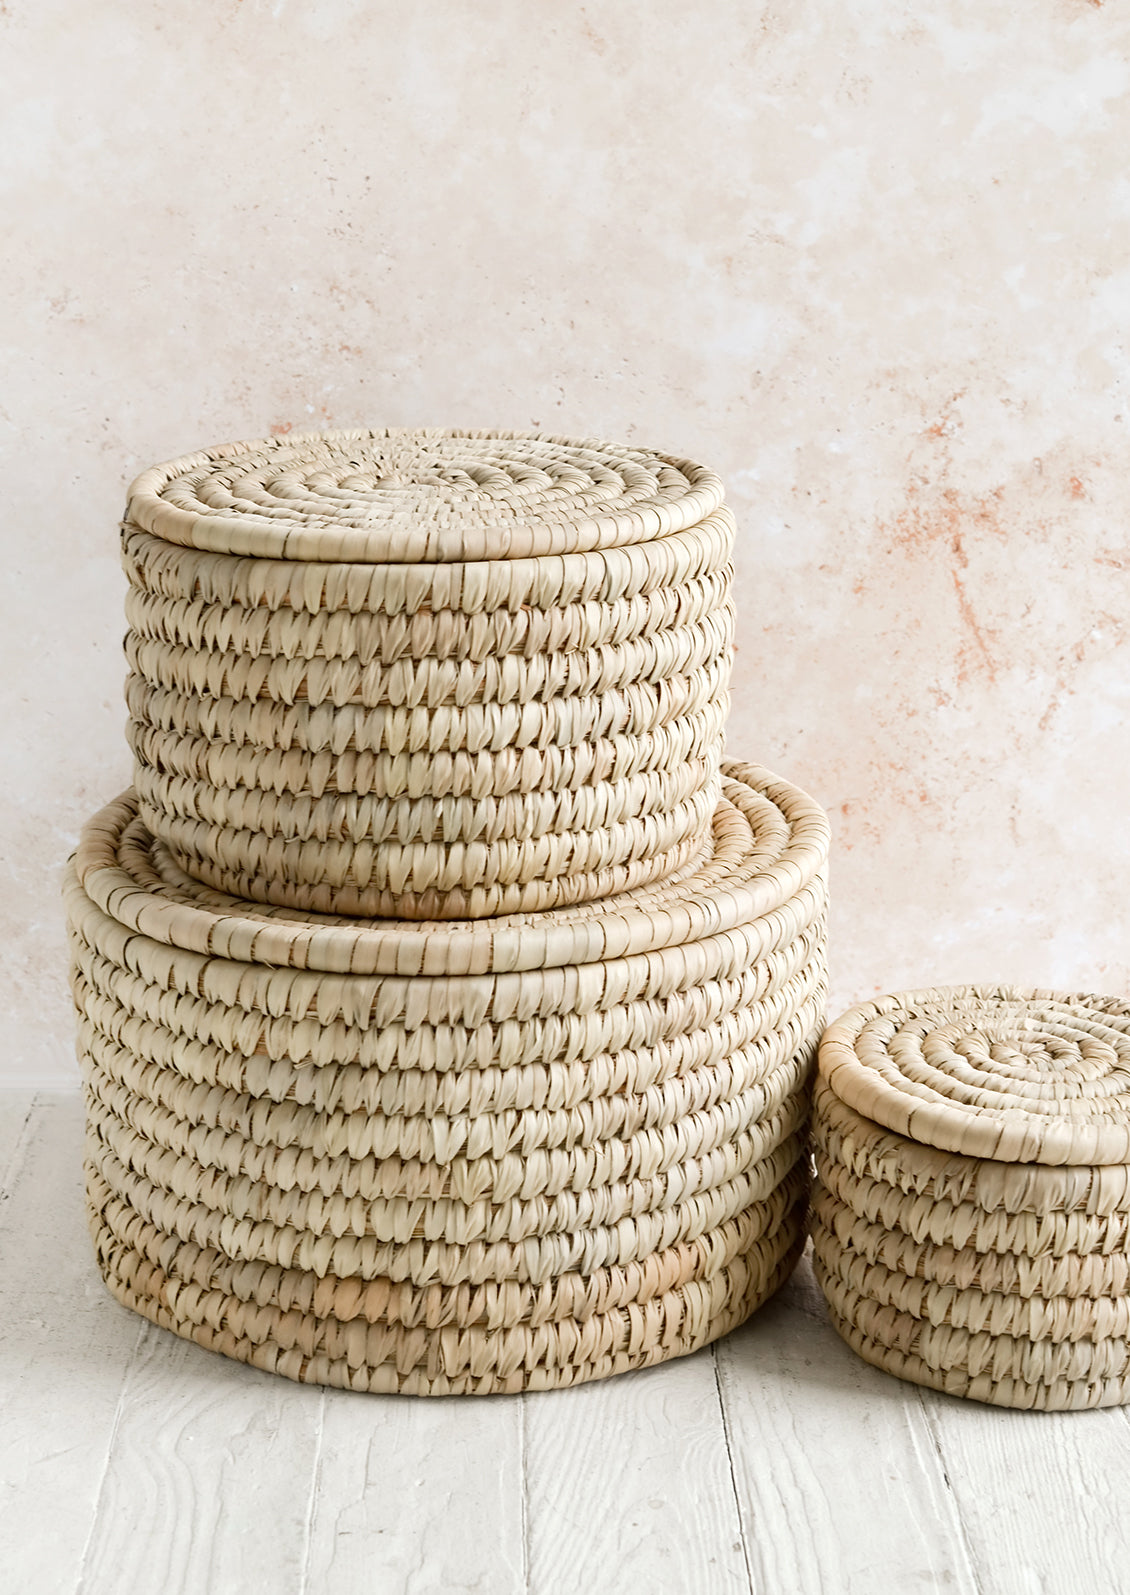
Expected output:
(427, 674)
(453, 1158)
(972, 1211)
(404, 496)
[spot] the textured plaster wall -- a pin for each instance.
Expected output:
(869, 261)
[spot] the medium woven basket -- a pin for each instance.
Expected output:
(971, 1218)
(428, 674)
(453, 1158)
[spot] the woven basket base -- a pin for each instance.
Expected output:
(1051, 1323)
(1005, 1283)
(995, 1388)
(450, 1360)
(280, 883)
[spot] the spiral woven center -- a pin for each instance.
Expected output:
(441, 478)
(1041, 1071)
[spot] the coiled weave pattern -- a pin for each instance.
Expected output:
(971, 1218)
(453, 1158)
(428, 674)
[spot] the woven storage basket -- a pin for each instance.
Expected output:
(428, 674)
(453, 1158)
(971, 1219)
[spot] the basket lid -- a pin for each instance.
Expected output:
(767, 851)
(420, 496)
(1001, 1072)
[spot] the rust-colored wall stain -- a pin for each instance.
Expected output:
(1106, 632)
(599, 44)
(936, 526)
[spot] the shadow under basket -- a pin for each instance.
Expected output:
(453, 1157)
(971, 1216)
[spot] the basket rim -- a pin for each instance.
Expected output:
(588, 933)
(465, 585)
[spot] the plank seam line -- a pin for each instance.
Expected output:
(315, 1484)
(963, 1535)
(15, 1162)
(730, 1465)
(119, 1409)
(524, 1453)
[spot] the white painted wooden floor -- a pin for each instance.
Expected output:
(135, 1464)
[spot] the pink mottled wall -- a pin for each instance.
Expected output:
(870, 261)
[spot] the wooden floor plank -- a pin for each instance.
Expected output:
(132, 1462)
(207, 1490)
(417, 1495)
(65, 1347)
(1043, 1495)
(840, 1485)
(629, 1487)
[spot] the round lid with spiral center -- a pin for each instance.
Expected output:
(1019, 1076)
(400, 495)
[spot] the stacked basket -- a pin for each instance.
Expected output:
(428, 675)
(972, 1209)
(559, 1132)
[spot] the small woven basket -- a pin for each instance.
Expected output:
(428, 674)
(453, 1158)
(971, 1217)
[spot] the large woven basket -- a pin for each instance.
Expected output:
(972, 1210)
(453, 1158)
(428, 674)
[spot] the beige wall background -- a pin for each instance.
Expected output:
(869, 261)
